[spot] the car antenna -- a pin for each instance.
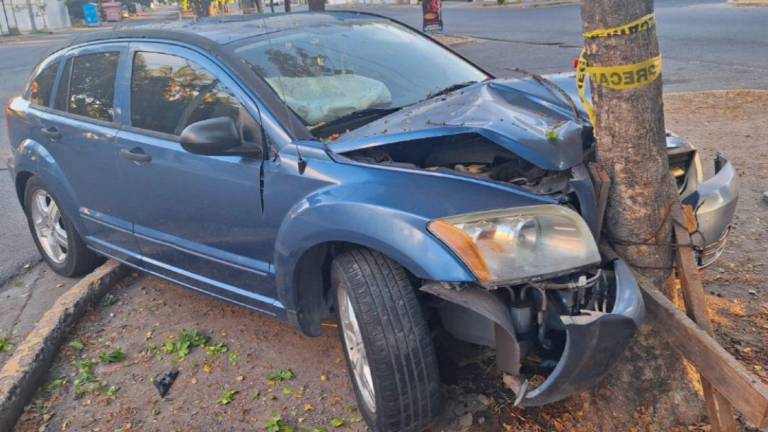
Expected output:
(302, 164)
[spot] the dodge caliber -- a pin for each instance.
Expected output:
(344, 167)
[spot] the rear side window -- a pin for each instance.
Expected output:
(169, 92)
(92, 85)
(42, 85)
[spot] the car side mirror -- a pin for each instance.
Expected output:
(216, 136)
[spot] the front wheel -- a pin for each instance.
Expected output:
(386, 342)
(54, 235)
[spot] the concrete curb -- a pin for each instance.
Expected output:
(25, 370)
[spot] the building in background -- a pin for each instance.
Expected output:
(47, 15)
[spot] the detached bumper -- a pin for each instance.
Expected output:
(594, 343)
(715, 202)
(594, 340)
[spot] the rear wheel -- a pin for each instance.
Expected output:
(386, 342)
(54, 235)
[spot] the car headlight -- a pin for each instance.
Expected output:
(512, 245)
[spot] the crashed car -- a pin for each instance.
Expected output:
(343, 166)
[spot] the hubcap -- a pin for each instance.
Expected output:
(49, 226)
(353, 340)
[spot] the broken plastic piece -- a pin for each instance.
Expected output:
(164, 382)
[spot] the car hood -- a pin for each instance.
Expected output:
(520, 115)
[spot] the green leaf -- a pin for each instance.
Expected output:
(112, 390)
(217, 349)
(552, 135)
(115, 356)
(108, 300)
(233, 357)
(78, 345)
(228, 397)
(281, 375)
(337, 422)
(5, 345)
(276, 424)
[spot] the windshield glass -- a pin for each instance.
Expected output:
(352, 72)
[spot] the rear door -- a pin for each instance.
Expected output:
(199, 221)
(80, 134)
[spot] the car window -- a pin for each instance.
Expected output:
(92, 85)
(41, 86)
(169, 92)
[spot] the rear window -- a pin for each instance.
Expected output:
(92, 85)
(41, 87)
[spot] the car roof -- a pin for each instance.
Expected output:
(226, 29)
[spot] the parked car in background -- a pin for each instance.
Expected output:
(343, 166)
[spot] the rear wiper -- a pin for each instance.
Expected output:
(345, 121)
(449, 89)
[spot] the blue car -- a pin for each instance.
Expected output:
(343, 166)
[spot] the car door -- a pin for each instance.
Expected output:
(197, 218)
(79, 133)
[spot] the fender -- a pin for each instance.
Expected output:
(33, 157)
(366, 212)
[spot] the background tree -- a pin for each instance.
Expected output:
(651, 385)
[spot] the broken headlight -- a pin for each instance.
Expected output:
(513, 245)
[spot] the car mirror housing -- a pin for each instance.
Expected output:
(218, 136)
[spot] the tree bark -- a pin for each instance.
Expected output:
(287, 6)
(316, 5)
(651, 385)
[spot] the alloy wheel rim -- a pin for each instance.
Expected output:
(49, 226)
(353, 340)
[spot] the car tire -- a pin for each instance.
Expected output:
(400, 391)
(67, 255)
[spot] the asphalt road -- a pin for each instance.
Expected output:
(706, 45)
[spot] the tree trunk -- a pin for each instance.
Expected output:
(260, 6)
(287, 6)
(651, 385)
(316, 5)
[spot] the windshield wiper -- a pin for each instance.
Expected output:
(351, 120)
(449, 89)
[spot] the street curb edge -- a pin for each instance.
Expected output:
(25, 370)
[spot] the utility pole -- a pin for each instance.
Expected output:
(32, 22)
(623, 63)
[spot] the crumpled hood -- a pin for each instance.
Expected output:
(515, 114)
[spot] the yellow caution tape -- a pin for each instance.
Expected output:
(632, 27)
(626, 77)
(621, 77)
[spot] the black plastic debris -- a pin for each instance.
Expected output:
(164, 382)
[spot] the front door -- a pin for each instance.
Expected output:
(197, 218)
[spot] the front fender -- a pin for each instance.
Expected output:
(399, 235)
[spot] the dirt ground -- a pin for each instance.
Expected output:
(230, 389)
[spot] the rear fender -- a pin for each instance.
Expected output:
(33, 157)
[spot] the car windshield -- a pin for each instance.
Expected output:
(341, 75)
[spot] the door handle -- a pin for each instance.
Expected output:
(135, 154)
(52, 132)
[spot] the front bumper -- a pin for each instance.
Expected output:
(594, 340)
(714, 201)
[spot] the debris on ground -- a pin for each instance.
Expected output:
(164, 382)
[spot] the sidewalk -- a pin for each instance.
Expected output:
(24, 299)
